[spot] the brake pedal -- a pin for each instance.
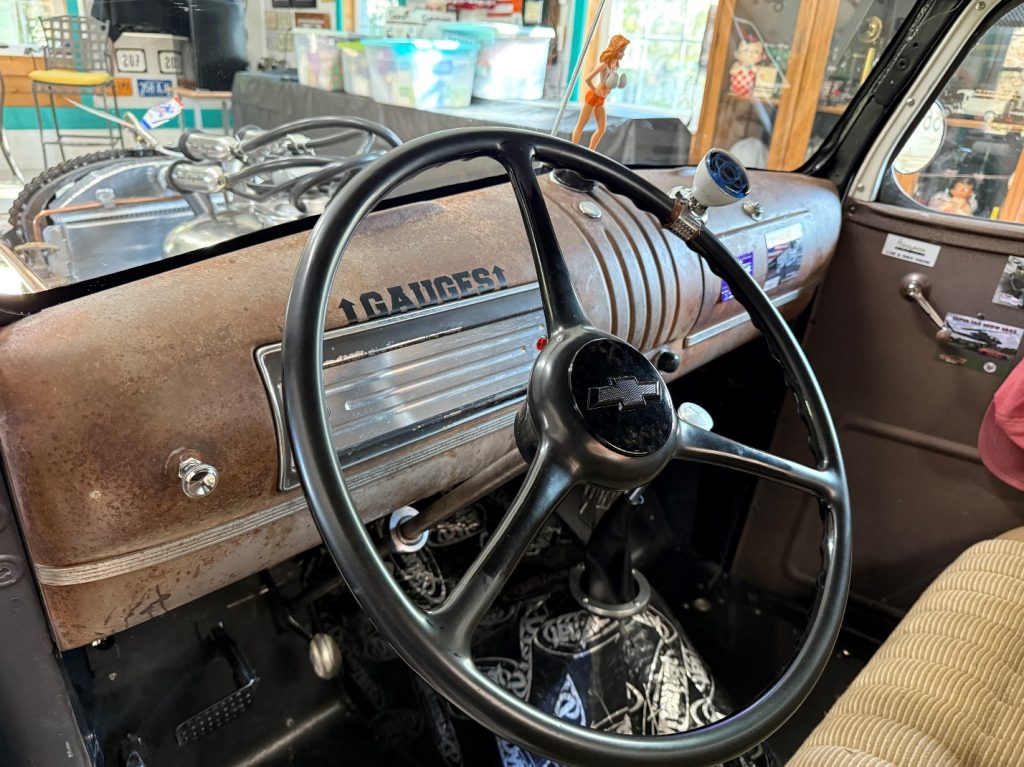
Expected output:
(230, 707)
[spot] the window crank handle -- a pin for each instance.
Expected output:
(915, 287)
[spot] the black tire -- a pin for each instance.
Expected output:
(38, 192)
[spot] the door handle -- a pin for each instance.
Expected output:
(915, 287)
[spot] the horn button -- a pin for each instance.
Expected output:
(620, 397)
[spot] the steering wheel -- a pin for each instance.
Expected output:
(572, 440)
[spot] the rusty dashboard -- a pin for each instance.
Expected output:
(429, 345)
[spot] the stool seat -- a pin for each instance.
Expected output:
(69, 77)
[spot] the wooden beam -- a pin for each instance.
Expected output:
(14, 70)
(715, 82)
(907, 182)
(798, 107)
(1012, 208)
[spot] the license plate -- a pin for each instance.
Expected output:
(154, 88)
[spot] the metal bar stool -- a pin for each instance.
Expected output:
(77, 59)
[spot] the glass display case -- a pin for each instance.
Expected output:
(782, 72)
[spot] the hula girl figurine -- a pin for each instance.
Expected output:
(607, 77)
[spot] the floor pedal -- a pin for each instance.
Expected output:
(230, 707)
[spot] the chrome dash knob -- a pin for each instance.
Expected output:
(198, 479)
(754, 209)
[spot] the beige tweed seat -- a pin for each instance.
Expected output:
(947, 688)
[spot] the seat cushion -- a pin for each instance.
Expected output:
(947, 688)
(69, 77)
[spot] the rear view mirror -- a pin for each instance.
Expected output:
(924, 143)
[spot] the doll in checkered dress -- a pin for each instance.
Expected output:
(743, 72)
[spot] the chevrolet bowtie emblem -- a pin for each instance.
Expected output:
(625, 393)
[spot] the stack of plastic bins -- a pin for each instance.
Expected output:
(423, 74)
(513, 60)
(354, 71)
(318, 59)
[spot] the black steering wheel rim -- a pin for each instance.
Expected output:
(424, 640)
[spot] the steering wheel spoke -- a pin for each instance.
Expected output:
(562, 308)
(546, 483)
(696, 444)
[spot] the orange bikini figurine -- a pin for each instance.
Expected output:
(607, 77)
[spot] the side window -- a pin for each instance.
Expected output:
(965, 157)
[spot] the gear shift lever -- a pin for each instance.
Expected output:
(606, 583)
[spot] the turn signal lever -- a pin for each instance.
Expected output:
(915, 287)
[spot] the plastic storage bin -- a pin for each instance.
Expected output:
(424, 74)
(513, 60)
(317, 57)
(354, 72)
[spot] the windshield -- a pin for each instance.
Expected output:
(139, 130)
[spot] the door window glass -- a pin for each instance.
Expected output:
(977, 170)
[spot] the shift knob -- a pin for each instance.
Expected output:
(720, 179)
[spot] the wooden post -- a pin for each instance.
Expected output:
(907, 182)
(718, 70)
(1012, 208)
(798, 107)
(349, 15)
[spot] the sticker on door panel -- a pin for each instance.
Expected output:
(980, 344)
(915, 251)
(1010, 290)
(785, 254)
(747, 259)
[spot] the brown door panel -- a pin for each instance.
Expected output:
(907, 422)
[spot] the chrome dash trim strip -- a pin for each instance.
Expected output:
(734, 322)
(468, 331)
(766, 221)
(128, 563)
(395, 319)
(155, 555)
(439, 446)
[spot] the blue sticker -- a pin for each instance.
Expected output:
(154, 88)
(747, 259)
